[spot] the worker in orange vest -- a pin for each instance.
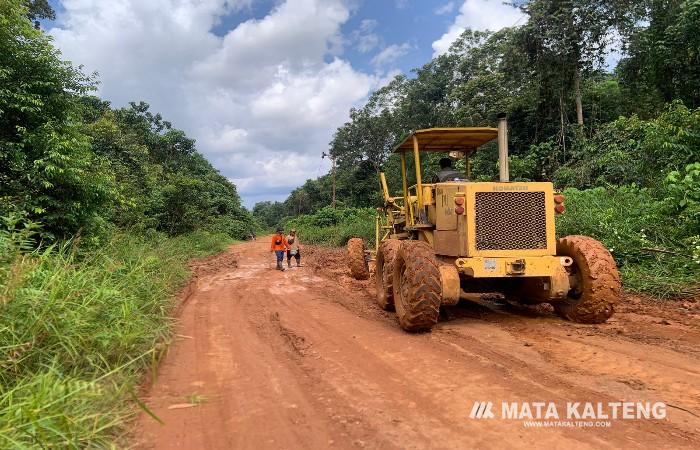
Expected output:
(279, 246)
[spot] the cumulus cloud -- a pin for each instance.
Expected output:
(478, 15)
(391, 54)
(364, 37)
(262, 101)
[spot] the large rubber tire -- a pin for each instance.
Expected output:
(356, 259)
(417, 286)
(384, 273)
(598, 290)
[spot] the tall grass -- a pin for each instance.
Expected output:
(78, 330)
(334, 227)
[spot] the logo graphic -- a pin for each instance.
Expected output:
(572, 414)
(508, 187)
(482, 410)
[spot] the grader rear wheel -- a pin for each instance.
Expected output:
(356, 259)
(595, 281)
(417, 286)
(384, 273)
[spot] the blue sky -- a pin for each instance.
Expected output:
(262, 85)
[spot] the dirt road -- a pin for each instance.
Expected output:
(304, 359)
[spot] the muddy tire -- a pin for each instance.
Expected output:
(416, 286)
(597, 289)
(356, 259)
(384, 273)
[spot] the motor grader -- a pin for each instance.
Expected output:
(443, 241)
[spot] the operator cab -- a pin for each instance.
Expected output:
(458, 143)
(422, 200)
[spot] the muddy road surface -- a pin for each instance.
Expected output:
(305, 359)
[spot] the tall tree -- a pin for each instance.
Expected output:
(663, 58)
(568, 39)
(373, 129)
(47, 169)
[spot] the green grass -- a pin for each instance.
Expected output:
(78, 331)
(334, 227)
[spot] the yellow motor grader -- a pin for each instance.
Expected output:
(441, 241)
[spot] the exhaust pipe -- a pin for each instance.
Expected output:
(503, 148)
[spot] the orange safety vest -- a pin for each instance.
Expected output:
(279, 242)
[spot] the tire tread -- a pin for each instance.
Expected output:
(600, 278)
(420, 311)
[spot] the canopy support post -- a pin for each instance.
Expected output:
(406, 199)
(419, 181)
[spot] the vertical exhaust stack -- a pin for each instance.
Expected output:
(503, 148)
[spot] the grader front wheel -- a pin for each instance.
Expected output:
(356, 259)
(384, 273)
(595, 281)
(416, 286)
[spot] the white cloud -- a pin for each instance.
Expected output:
(478, 15)
(391, 54)
(447, 8)
(401, 4)
(364, 36)
(263, 101)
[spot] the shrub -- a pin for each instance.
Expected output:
(634, 151)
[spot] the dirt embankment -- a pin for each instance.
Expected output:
(305, 359)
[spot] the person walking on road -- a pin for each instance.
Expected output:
(293, 248)
(279, 246)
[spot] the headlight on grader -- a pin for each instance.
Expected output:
(559, 207)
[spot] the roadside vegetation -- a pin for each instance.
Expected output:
(334, 226)
(100, 210)
(79, 330)
(622, 142)
(652, 242)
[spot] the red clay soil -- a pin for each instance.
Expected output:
(305, 359)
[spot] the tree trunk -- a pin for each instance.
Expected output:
(333, 198)
(579, 103)
(563, 127)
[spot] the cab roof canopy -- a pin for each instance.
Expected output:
(448, 139)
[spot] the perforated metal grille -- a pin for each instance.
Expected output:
(511, 221)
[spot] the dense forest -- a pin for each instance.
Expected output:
(624, 141)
